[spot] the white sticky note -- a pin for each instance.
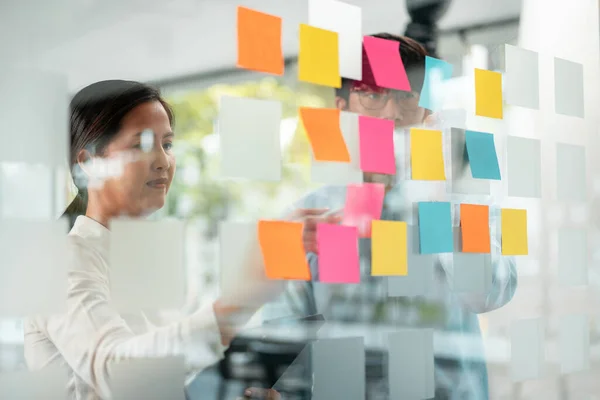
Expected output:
(49, 383)
(27, 191)
(462, 177)
(338, 368)
(148, 378)
(419, 280)
(568, 88)
(571, 174)
(146, 264)
(33, 267)
(34, 115)
(574, 343)
(472, 273)
(346, 20)
(249, 134)
(411, 364)
(527, 349)
(339, 173)
(242, 272)
(522, 77)
(572, 257)
(523, 167)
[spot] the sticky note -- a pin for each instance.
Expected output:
(35, 200)
(514, 232)
(426, 155)
(435, 228)
(475, 228)
(259, 41)
(389, 251)
(318, 57)
(385, 63)
(249, 135)
(419, 280)
(364, 203)
(148, 378)
(33, 282)
(568, 88)
(523, 167)
(341, 173)
(571, 175)
(526, 349)
(348, 25)
(322, 127)
(432, 94)
(377, 145)
(338, 368)
(522, 77)
(573, 257)
(282, 250)
(488, 94)
(574, 343)
(242, 268)
(338, 254)
(462, 178)
(47, 383)
(482, 155)
(472, 273)
(36, 113)
(411, 364)
(143, 275)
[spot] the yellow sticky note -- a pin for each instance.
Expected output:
(318, 58)
(388, 248)
(514, 232)
(426, 155)
(488, 93)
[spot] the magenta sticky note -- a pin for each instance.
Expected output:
(364, 203)
(376, 143)
(338, 254)
(385, 63)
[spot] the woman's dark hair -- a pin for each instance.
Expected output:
(97, 112)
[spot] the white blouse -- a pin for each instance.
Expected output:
(92, 333)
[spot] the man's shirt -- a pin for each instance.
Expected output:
(440, 308)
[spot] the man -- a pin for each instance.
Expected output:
(455, 312)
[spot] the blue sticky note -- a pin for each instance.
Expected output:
(435, 228)
(436, 71)
(481, 152)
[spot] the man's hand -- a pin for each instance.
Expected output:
(264, 394)
(311, 217)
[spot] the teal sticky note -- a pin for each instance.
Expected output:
(436, 71)
(435, 228)
(481, 152)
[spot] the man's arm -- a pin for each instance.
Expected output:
(504, 279)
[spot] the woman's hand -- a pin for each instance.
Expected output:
(264, 394)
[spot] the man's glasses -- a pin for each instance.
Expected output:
(377, 99)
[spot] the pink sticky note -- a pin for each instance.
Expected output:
(376, 145)
(338, 254)
(385, 62)
(364, 203)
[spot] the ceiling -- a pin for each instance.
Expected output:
(160, 39)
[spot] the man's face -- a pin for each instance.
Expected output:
(399, 106)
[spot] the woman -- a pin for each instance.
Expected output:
(129, 125)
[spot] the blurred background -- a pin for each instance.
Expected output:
(188, 49)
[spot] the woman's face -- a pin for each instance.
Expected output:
(139, 162)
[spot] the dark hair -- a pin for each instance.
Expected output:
(412, 54)
(97, 112)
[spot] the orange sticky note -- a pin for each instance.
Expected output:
(259, 41)
(322, 126)
(283, 250)
(475, 228)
